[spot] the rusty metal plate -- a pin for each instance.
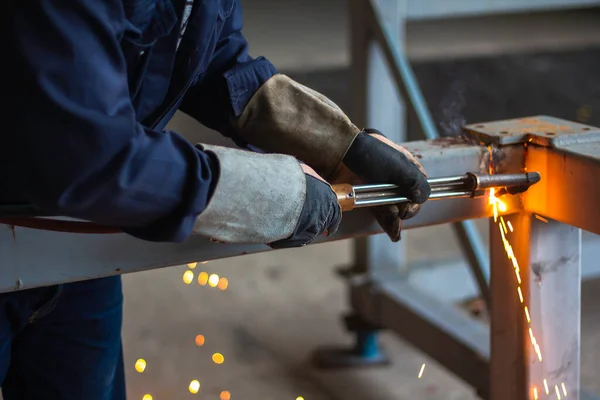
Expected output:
(541, 130)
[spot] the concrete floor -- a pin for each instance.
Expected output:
(282, 305)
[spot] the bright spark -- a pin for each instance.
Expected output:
(223, 283)
(225, 395)
(544, 220)
(194, 387)
(218, 358)
(200, 340)
(510, 227)
(503, 225)
(520, 293)
(535, 394)
(546, 386)
(147, 397)
(188, 277)
(192, 265)
(140, 365)
(557, 392)
(564, 388)
(527, 314)
(202, 278)
(421, 372)
(213, 280)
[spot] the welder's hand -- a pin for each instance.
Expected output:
(321, 213)
(375, 159)
(266, 199)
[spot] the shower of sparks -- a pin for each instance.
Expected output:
(199, 340)
(140, 365)
(202, 278)
(194, 387)
(499, 206)
(192, 265)
(223, 284)
(225, 395)
(218, 358)
(520, 294)
(147, 397)
(503, 226)
(213, 280)
(564, 388)
(188, 277)
(421, 371)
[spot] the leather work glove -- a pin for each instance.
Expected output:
(375, 159)
(286, 117)
(267, 199)
(321, 214)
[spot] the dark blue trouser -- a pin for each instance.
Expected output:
(63, 342)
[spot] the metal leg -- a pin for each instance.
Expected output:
(535, 328)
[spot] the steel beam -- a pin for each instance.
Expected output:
(569, 191)
(32, 258)
(535, 316)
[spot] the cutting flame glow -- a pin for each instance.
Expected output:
(147, 397)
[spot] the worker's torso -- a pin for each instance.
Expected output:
(161, 63)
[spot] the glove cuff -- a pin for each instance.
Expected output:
(286, 117)
(258, 198)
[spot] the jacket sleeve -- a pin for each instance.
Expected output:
(232, 78)
(72, 145)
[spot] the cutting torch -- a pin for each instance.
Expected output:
(349, 198)
(451, 187)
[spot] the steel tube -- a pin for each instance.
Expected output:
(376, 201)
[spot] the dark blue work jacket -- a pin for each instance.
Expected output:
(87, 89)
